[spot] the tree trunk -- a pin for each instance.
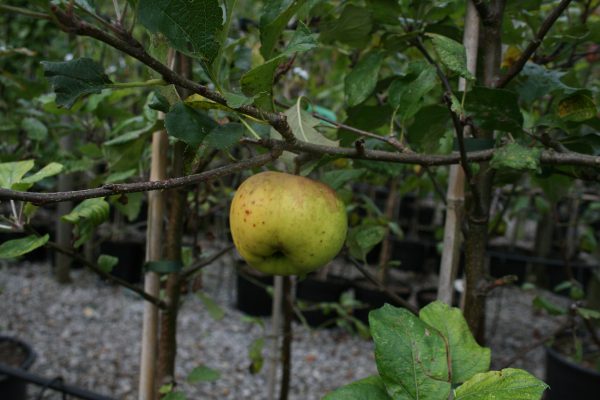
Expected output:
(286, 347)
(479, 208)
(168, 318)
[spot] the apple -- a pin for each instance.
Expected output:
(286, 224)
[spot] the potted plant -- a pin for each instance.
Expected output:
(573, 355)
(14, 353)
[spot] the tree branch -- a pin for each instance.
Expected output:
(533, 46)
(485, 13)
(112, 189)
(382, 287)
(192, 269)
(157, 302)
(127, 44)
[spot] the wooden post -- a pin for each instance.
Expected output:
(147, 387)
(455, 197)
(64, 230)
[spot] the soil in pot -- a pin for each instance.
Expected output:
(16, 354)
(570, 380)
(252, 296)
(312, 292)
(374, 298)
(131, 257)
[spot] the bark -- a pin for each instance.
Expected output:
(479, 207)
(286, 347)
(167, 344)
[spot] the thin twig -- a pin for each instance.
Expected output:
(127, 44)
(533, 45)
(25, 12)
(112, 189)
(523, 351)
(382, 287)
(192, 269)
(157, 302)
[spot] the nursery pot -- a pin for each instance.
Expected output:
(411, 253)
(504, 261)
(131, 257)
(313, 291)
(252, 296)
(374, 298)
(17, 354)
(568, 380)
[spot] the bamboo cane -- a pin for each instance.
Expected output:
(147, 387)
(456, 183)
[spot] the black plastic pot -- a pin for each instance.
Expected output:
(504, 262)
(252, 296)
(373, 298)
(312, 291)
(568, 380)
(131, 257)
(411, 253)
(22, 357)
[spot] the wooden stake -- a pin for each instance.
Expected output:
(147, 387)
(456, 182)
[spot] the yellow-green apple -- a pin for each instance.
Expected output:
(286, 224)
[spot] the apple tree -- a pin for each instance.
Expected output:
(470, 94)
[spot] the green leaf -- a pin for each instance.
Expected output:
(222, 137)
(542, 303)
(508, 384)
(303, 125)
(467, 357)
(336, 179)
(35, 129)
(191, 26)
(515, 156)
(164, 389)
(494, 109)
(352, 27)
(203, 374)
(588, 313)
(258, 83)
(577, 107)
(535, 81)
(275, 16)
(407, 96)
(411, 356)
(87, 215)
(214, 310)
(17, 247)
(174, 395)
(75, 78)
(131, 209)
(159, 102)
(120, 176)
(13, 172)
(370, 388)
(429, 126)
(51, 169)
(235, 100)
(361, 81)
(255, 354)
(363, 238)
(452, 54)
(302, 40)
(106, 263)
(187, 124)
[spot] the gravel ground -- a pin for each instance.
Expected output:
(89, 334)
